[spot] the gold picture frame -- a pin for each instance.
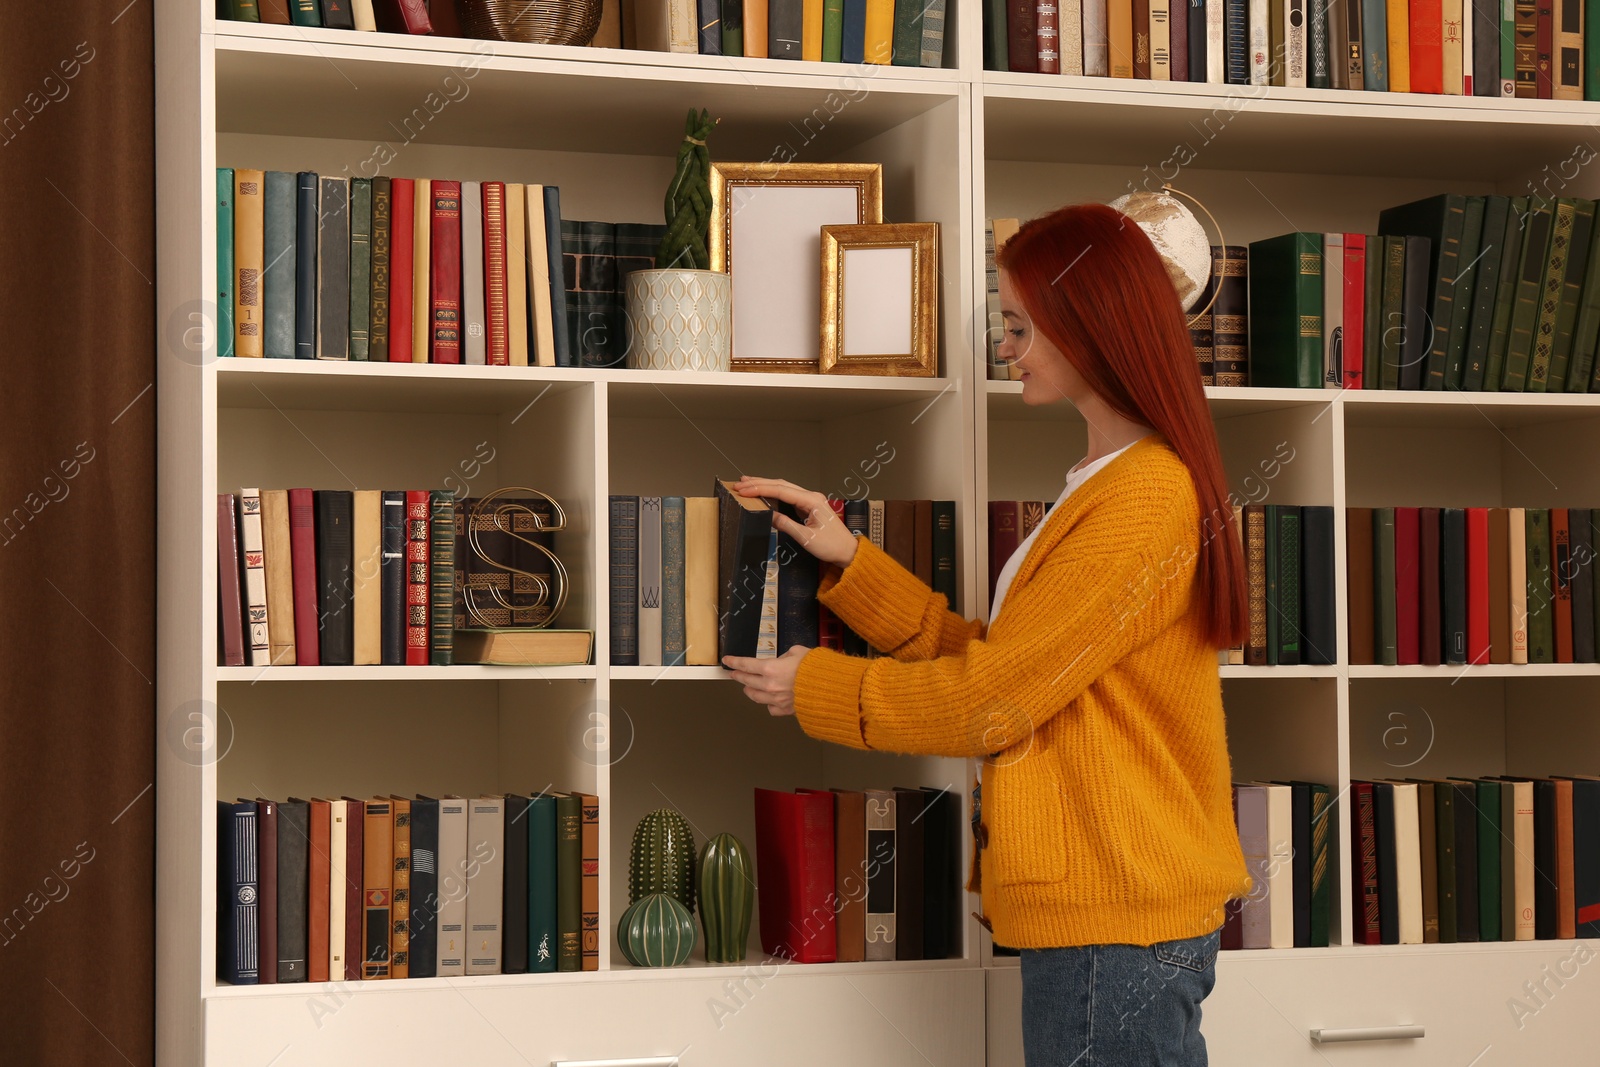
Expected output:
(766, 219)
(880, 299)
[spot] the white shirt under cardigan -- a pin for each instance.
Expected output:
(1079, 474)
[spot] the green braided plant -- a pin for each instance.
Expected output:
(688, 203)
(656, 931)
(727, 897)
(662, 860)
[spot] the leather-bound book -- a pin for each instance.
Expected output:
(249, 207)
(899, 531)
(944, 551)
(421, 270)
(1230, 319)
(338, 877)
(910, 895)
(1453, 585)
(1286, 311)
(254, 580)
(1333, 282)
(922, 541)
(1505, 302)
(1563, 355)
(474, 350)
(1359, 583)
(382, 250)
(1466, 831)
(497, 337)
(1414, 311)
(1388, 878)
(1585, 855)
(673, 638)
(401, 286)
(569, 882)
(1005, 534)
(786, 27)
(1561, 583)
(1536, 233)
(320, 822)
(305, 12)
(366, 576)
(303, 553)
(1428, 853)
(451, 939)
(543, 936)
(1549, 297)
(647, 602)
(1442, 220)
(1477, 581)
(1430, 609)
(1318, 640)
(267, 895)
(1566, 900)
(400, 890)
(798, 572)
(882, 866)
(337, 15)
(850, 873)
(516, 226)
(745, 524)
(1202, 334)
(335, 576)
(294, 852)
(360, 288)
(1364, 865)
(486, 829)
(279, 226)
(307, 191)
(514, 886)
(1546, 857)
(1288, 613)
(424, 916)
(550, 200)
(275, 12)
(1586, 330)
(230, 616)
(238, 910)
(1581, 579)
(1387, 310)
(441, 576)
(1407, 584)
(1499, 566)
(1047, 35)
(1119, 30)
(418, 538)
(392, 580)
(1485, 284)
(1486, 793)
(700, 535)
(1445, 842)
(941, 867)
(402, 16)
(1255, 556)
(794, 867)
(378, 886)
(355, 915)
(1425, 55)
(1523, 847)
(444, 281)
(589, 931)
(1541, 587)
(1384, 601)
(624, 579)
(333, 268)
(1517, 556)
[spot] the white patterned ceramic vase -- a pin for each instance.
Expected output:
(680, 320)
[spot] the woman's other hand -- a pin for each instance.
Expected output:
(823, 534)
(768, 681)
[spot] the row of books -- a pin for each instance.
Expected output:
(1455, 293)
(904, 33)
(333, 577)
(1517, 49)
(690, 576)
(390, 16)
(420, 270)
(1497, 858)
(1472, 585)
(851, 875)
(399, 887)
(1284, 831)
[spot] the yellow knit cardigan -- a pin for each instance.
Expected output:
(1106, 809)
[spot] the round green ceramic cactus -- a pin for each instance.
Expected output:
(727, 896)
(656, 931)
(662, 860)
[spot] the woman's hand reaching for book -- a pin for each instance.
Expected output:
(823, 534)
(768, 681)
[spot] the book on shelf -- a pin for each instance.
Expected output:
(486, 828)
(794, 867)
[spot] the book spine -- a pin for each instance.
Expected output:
(1047, 35)
(335, 548)
(337, 15)
(441, 576)
(485, 876)
(451, 946)
(514, 887)
(230, 615)
(1332, 354)
(1505, 302)
(280, 575)
(1526, 22)
(1255, 547)
(1453, 584)
(1408, 585)
(1259, 26)
(624, 571)
(444, 280)
(225, 269)
(278, 257)
(1385, 624)
(382, 249)
(392, 578)
(1096, 42)
(1517, 556)
(1236, 35)
(589, 893)
(496, 297)
(1318, 58)
(673, 639)
(1364, 852)
(1561, 582)
(1429, 573)
(360, 284)
(1549, 296)
(400, 891)
(1231, 320)
(421, 270)
(1374, 47)
(569, 883)
(238, 914)
(377, 888)
(1544, 49)
(1288, 535)
(1580, 577)
(1541, 596)
(303, 550)
(333, 268)
(1477, 586)
(1353, 325)
(542, 933)
(307, 190)
(1318, 639)
(306, 13)
(418, 537)
(317, 883)
(551, 202)
(249, 219)
(474, 347)
(340, 875)
(423, 935)
(293, 889)
(256, 616)
(648, 581)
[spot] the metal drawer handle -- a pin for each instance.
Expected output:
(641, 1061)
(1368, 1033)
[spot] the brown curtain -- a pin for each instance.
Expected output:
(77, 533)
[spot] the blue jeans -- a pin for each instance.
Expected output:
(1117, 1005)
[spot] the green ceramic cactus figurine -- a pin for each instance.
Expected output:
(688, 203)
(656, 931)
(727, 895)
(662, 860)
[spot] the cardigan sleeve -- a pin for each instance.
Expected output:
(892, 609)
(1120, 575)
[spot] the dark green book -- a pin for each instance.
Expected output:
(360, 267)
(1444, 835)
(733, 27)
(1391, 311)
(1442, 220)
(1571, 296)
(635, 246)
(1541, 591)
(832, 30)
(1525, 311)
(305, 12)
(1485, 283)
(543, 935)
(907, 33)
(1550, 289)
(224, 261)
(1372, 323)
(1586, 332)
(569, 882)
(1288, 537)
(1285, 276)
(279, 225)
(1417, 330)
(996, 53)
(1462, 293)
(1505, 299)
(1487, 797)
(1383, 618)
(1274, 608)
(378, 310)
(441, 577)
(240, 11)
(589, 275)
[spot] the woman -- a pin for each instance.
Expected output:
(1106, 846)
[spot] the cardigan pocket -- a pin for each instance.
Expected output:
(1025, 814)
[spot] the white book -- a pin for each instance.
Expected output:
(1255, 913)
(452, 860)
(1096, 40)
(517, 273)
(1332, 310)
(649, 581)
(1260, 43)
(255, 577)
(1280, 866)
(1408, 862)
(1517, 551)
(1522, 844)
(542, 347)
(1455, 59)
(1071, 31)
(1294, 43)
(367, 544)
(486, 825)
(361, 11)
(1161, 39)
(474, 332)
(1216, 43)
(338, 876)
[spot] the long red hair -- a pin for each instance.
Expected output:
(1096, 288)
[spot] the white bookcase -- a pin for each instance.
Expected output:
(958, 145)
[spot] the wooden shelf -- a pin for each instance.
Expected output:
(459, 673)
(1363, 672)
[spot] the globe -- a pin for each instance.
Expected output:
(1179, 238)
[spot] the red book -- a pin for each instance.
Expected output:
(1364, 863)
(1477, 585)
(1561, 576)
(794, 867)
(267, 887)
(230, 608)
(1355, 307)
(444, 261)
(496, 309)
(1429, 645)
(1005, 534)
(1427, 46)
(1544, 48)
(1407, 588)
(1022, 49)
(402, 16)
(317, 874)
(303, 563)
(402, 209)
(354, 900)
(417, 647)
